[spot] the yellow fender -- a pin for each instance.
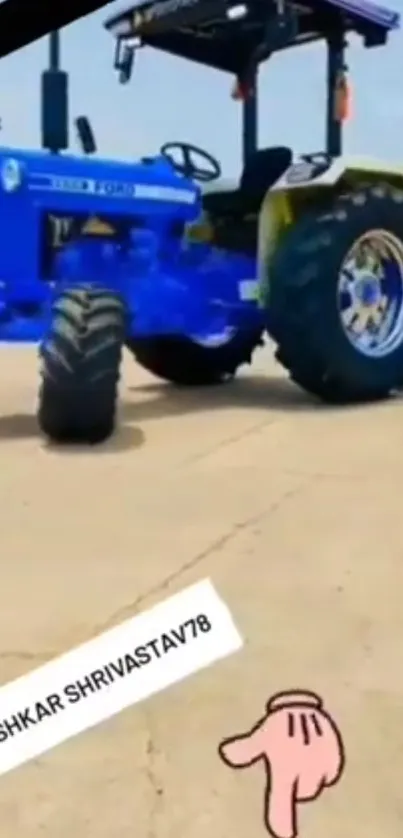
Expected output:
(286, 200)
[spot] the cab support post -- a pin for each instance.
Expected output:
(335, 65)
(250, 121)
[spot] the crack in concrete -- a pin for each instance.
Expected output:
(216, 546)
(29, 657)
(327, 475)
(230, 440)
(156, 786)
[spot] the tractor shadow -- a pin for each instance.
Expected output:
(158, 400)
(24, 426)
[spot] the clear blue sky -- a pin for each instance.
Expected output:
(171, 99)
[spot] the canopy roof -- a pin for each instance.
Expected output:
(211, 33)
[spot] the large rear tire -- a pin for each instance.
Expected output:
(80, 367)
(336, 298)
(188, 364)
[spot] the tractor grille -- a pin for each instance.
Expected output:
(58, 230)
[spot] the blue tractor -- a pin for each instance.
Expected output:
(98, 255)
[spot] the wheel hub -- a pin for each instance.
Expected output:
(368, 290)
(370, 294)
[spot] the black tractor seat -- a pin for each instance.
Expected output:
(234, 213)
(261, 171)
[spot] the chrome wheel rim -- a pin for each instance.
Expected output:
(370, 294)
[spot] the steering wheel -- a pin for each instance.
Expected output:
(183, 158)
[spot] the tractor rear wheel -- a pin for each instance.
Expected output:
(336, 297)
(80, 367)
(189, 364)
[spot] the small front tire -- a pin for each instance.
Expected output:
(80, 367)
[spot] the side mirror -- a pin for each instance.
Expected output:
(124, 57)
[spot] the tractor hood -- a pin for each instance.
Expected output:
(106, 185)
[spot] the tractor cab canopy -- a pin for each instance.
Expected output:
(225, 34)
(236, 36)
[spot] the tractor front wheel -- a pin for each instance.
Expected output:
(80, 367)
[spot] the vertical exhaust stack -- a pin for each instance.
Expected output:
(54, 101)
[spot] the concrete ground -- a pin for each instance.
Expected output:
(295, 512)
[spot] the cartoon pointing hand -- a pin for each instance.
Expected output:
(303, 753)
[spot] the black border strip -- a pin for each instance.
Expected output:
(23, 21)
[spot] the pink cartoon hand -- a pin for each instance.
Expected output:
(302, 750)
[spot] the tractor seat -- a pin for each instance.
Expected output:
(262, 169)
(235, 211)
